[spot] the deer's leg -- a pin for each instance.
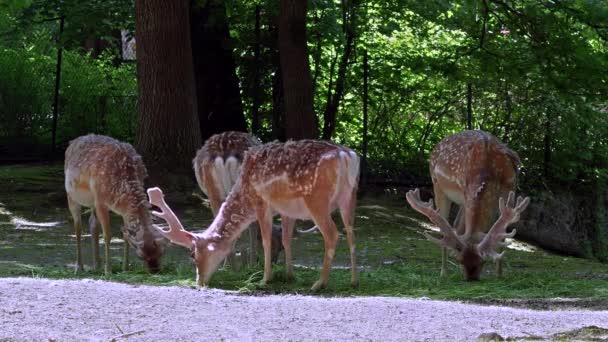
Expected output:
(216, 203)
(459, 222)
(76, 216)
(330, 235)
(94, 229)
(347, 211)
(444, 205)
(253, 245)
(125, 252)
(320, 213)
(498, 264)
(103, 215)
(265, 221)
(287, 233)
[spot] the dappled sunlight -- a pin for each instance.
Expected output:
(18, 265)
(422, 223)
(24, 224)
(21, 223)
(521, 246)
(333, 267)
(4, 211)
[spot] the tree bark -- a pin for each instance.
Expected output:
(335, 95)
(300, 119)
(217, 86)
(364, 169)
(547, 147)
(255, 109)
(168, 133)
(278, 103)
(469, 106)
(57, 84)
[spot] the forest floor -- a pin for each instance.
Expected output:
(394, 258)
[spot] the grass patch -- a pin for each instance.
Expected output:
(394, 258)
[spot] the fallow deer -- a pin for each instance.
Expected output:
(105, 175)
(217, 166)
(304, 179)
(476, 171)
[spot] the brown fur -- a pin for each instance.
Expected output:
(106, 174)
(472, 169)
(225, 146)
(305, 179)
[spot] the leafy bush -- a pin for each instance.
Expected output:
(95, 95)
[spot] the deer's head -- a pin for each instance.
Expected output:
(470, 252)
(207, 252)
(148, 242)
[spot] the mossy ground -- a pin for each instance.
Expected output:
(36, 240)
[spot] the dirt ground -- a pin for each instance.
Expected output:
(68, 310)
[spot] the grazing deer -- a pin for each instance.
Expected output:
(476, 171)
(105, 174)
(303, 179)
(217, 166)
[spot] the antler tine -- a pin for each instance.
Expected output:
(450, 239)
(509, 214)
(177, 234)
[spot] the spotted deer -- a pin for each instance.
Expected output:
(217, 166)
(106, 175)
(476, 171)
(304, 179)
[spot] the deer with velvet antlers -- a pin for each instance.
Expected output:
(304, 179)
(217, 166)
(106, 175)
(476, 171)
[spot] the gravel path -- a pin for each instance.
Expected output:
(67, 310)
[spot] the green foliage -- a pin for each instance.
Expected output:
(83, 19)
(536, 70)
(95, 95)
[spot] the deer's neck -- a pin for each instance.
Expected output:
(233, 218)
(135, 221)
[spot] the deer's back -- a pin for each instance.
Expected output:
(218, 162)
(466, 163)
(100, 168)
(284, 172)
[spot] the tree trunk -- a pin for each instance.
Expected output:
(333, 101)
(168, 133)
(255, 110)
(278, 107)
(469, 106)
(278, 103)
(547, 147)
(217, 86)
(300, 120)
(364, 169)
(56, 92)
